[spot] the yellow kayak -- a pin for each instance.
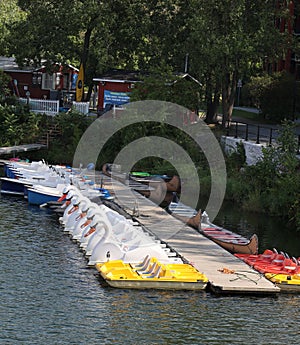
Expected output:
(151, 274)
(287, 283)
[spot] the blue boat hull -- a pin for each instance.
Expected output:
(12, 186)
(39, 198)
(9, 172)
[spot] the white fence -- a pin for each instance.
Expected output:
(43, 106)
(51, 107)
(82, 107)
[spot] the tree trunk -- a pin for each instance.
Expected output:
(85, 54)
(89, 93)
(228, 96)
(212, 103)
(212, 109)
(86, 48)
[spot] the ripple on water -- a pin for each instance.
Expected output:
(48, 296)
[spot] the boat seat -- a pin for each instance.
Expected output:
(289, 265)
(261, 259)
(155, 272)
(268, 253)
(150, 269)
(278, 260)
(143, 264)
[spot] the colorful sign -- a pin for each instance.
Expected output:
(116, 97)
(80, 84)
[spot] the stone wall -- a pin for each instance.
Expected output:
(253, 151)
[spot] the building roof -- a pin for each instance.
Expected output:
(9, 64)
(124, 76)
(187, 76)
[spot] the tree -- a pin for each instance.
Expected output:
(10, 13)
(117, 33)
(228, 39)
(4, 90)
(165, 85)
(225, 40)
(60, 32)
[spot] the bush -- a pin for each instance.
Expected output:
(275, 95)
(253, 91)
(271, 186)
(72, 126)
(18, 125)
(4, 90)
(277, 100)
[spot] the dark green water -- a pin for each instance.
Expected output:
(272, 231)
(48, 296)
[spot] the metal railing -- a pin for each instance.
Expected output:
(257, 133)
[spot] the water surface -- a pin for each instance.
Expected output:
(48, 296)
(273, 232)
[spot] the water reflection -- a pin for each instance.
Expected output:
(271, 231)
(48, 296)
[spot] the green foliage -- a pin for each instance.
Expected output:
(272, 185)
(224, 40)
(275, 95)
(19, 125)
(287, 140)
(237, 158)
(154, 86)
(163, 84)
(72, 126)
(253, 91)
(4, 91)
(155, 165)
(10, 13)
(133, 132)
(277, 99)
(228, 40)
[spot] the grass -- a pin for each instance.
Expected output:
(254, 117)
(246, 114)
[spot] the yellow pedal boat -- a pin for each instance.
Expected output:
(286, 283)
(151, 274)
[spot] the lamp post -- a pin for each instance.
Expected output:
(28, 96)
(239, 86)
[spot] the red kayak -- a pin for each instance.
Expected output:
(272, 262)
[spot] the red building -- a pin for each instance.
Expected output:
(40, 84)
(114, 88)
(291, 25)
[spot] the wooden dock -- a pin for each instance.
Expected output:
(226, 273)
(20, 148)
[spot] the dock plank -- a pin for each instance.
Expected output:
(206, 256)
(20, 148)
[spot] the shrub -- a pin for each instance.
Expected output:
(253, 91)
(277, 100)
(273, 184)
(275, 95)
(18, 125)
(72, 125)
